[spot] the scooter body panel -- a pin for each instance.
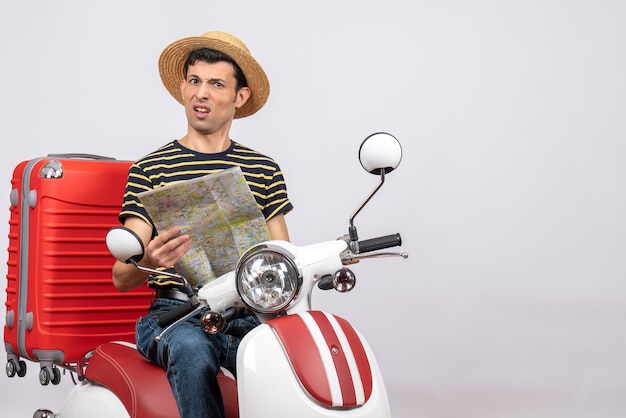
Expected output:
(88, 399)
(268, 383)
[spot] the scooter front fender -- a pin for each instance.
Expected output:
(273, 381)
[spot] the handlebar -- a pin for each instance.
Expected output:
(379, 243)
(343, 280)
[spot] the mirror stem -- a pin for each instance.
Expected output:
(353, 233)
(186, 285)
(153, 271)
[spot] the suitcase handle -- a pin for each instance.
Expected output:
(82, 156)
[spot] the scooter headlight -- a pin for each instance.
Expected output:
(267, 279)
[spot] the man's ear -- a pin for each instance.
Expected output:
(242, 97)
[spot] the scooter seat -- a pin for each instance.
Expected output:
(142, 386)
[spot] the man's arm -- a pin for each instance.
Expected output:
(278, 228)
(165, 250)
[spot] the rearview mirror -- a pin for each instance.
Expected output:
(124, 244)
(380, 152)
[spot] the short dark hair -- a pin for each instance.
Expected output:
(212, 56)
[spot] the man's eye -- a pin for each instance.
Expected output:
(218, 84)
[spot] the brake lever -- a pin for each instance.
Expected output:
(353, 259)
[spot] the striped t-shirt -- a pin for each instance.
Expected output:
(174, 163)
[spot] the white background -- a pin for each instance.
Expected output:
(510, 197)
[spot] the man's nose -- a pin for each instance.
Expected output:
(203, 91)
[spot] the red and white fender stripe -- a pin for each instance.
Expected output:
(328, 357)
(330, 360)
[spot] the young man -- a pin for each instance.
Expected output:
(217, 80)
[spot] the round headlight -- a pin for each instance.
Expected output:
(267, 279)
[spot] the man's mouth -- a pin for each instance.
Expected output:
(201, 109)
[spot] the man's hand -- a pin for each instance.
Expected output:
(166, 249)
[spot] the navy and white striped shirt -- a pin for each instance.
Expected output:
(174, 163)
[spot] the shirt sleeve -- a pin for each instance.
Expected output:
(131, 206)
(277, 198)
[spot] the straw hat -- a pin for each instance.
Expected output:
(173, 57)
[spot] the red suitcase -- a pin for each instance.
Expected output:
(61, 302)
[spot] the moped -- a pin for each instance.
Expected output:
(299, 362)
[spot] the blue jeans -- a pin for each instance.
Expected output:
(191, 358)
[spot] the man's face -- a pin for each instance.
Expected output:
(209, 96)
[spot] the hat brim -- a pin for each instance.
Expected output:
(173, 57)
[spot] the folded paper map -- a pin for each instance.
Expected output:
(220, 214)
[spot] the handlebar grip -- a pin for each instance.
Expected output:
(172, 315)
(379, 243)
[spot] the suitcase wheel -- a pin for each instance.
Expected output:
(16, 367)
(48, 375)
